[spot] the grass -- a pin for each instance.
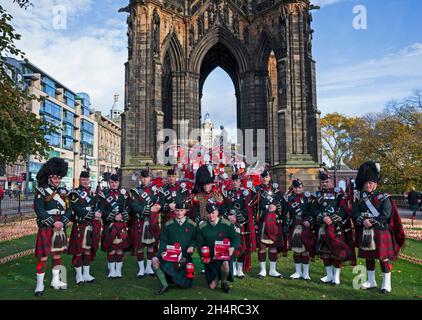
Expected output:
(17, 280)
(413, 248)
(14, 246)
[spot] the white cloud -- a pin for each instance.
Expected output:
(85, 58)
(367, 86)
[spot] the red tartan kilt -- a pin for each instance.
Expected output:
(242, 245)
(308, 239)
(338, 245)
(384, 246)
(109, 234)
(135, 235)
(278, 243)
(43, 243)
(77, 235)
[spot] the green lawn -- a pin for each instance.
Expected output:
(17, 281)
(14, 246)
(413, 248)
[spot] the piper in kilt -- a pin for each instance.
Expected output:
(145, 229)
(115, 236)
(86, 229)
(330, 210)
(51, 206)
(179, 230)
(267, 201)
(205, 190)
(302, 240)
(236, 201)
(169, 193)
(380, 233)
(217, 228)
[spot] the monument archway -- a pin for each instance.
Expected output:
(265, 48)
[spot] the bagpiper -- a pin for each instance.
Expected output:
(331, 212)
(86, 229)
(115, 237)
(237, 199)
(300, 223)
(211, 231)
(205, 191)
(173, 263)
(145, 229)
(267, 202)
(172, 190)
(51, 206)
(380, 232)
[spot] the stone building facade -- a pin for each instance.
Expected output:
(265, 46)
(109, 136)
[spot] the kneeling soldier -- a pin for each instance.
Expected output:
(180, 233)
(214, 229)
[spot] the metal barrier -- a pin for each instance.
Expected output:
(17, 205)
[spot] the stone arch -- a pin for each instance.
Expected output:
(173, 48)
(265, 45)
(225, 37)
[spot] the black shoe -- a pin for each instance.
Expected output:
(140, 276)
(335, 284)
(261, 277)
(39, 293)
(162, 290)
(384, 291)
(225, 287)
(240, 277)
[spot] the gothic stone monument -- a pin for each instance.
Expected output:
(265, 46)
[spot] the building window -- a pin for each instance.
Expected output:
(68, 143)
(51, 109)
(69, 99)
(49, 87)
(53, 139)
(68, 117)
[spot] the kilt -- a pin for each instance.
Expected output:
(77, 238)
(308, 239)
(177, 276)
(136, 233)
(213, 270)
(384, 246)
(337, 245)
(279, 243)
(113, 231)
(43, 243)
(241, 249)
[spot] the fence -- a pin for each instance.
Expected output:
(16, 205)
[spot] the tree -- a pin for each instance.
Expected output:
(393, 138)
(21, 132)
(336, 137)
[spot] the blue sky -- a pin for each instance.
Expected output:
(358, 71)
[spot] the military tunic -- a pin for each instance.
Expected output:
(384, 249)
(270, 224)
(207, 235)
(145, 229)
(298, 207)
(236, 202)
(86, 230)
(51, 204)
(333, 240)
(171, 194)
(185, 235)
(115, 235)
